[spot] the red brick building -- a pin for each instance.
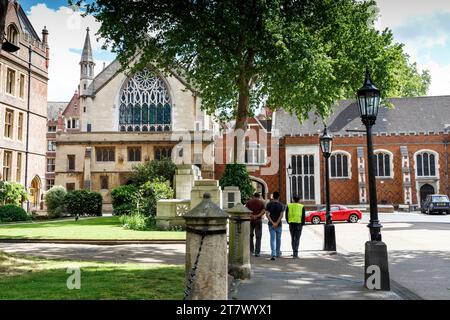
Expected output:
(410, 143)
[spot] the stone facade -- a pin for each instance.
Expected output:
(127, 119)
(22, 155)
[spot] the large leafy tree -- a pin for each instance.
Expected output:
(300, 55)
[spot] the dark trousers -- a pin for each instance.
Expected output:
(296, 231)
(255, 229)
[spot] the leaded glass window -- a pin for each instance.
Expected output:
(426, 164)
(302, 179)
(145, 104)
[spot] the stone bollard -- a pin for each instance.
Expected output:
(206, 252)
(239, 247)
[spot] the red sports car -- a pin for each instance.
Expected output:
(338, 213)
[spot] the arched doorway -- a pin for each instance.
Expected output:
(260, 186)
(425, 190)
(35, 193)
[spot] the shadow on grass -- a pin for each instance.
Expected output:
(101, 221)
(98, 281)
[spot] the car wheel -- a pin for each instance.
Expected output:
(315, 220)
(353, 218)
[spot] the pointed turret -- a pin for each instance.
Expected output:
(87, 66)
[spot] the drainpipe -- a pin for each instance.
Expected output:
(30, 50)
(446, 165)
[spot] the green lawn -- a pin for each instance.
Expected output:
(32, 278)
(102, 228)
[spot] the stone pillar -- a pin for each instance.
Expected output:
(407, 185)
(361, 176)
(206, 251)
(87, 168)
(206, 186)
(184, 180)
(230, 197)
(239, 248)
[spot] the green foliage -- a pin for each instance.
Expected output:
(84, 202)
(137, 221)
(237, 175)
(149, 171)
(124, 199)
(301, 56)
(152, 192)
(12, 193)
(54, 200)
(10, 213)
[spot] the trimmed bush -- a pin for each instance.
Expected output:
(10, 213)
(154, 170)
(12, 193)
(236, 174)
(151, 193)
(137, 221)
(54, 200)
(124, 199)
(84, 202)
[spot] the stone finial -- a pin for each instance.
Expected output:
(206, 209)
(238, 209)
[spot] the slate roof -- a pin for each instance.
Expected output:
(417, 114)
(53, 108)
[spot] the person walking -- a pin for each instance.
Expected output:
(295, 217)
(256, 205)
(274, 212)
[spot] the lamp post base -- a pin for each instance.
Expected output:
(376, 268)
(329, 238)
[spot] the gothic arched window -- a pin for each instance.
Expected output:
(145, 104)
(384, 165)
(12, 34)
(426, 164)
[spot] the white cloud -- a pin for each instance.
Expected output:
(67, 30)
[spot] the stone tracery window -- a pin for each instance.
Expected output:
(145, 104)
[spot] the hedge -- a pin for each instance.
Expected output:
(10, 213)
(84, 202)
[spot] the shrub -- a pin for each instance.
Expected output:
(154, 170)
(137, 221)
(84, 202)
(54, 200)
(237, 175)
(152, 192)
(10, 212)
(124, 199)
(12, 193)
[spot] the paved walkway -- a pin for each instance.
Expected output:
(317, 275)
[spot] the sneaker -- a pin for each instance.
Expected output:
(257, 255)
(273, 258)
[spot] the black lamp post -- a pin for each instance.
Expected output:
(376, 259)
(289, 172)
(326, 143)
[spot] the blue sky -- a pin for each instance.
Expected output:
(422, 25)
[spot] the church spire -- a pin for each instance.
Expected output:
(86, 56)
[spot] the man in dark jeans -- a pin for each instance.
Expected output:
(275, 210)
(295, 216)
(256, 205)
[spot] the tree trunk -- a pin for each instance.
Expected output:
(241, 122)
(3, 11)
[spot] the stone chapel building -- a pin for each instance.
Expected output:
(125, 119)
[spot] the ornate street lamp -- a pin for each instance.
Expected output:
(326, 143)
(289, 172)
(376, 259)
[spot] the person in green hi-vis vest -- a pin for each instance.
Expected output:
(295, 217)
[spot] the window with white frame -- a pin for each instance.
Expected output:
(302, 179)
(51, 165)
(51, 145)
(339, 165)
(255, 154)
(383, 164)
(426, 164)
(10, 81)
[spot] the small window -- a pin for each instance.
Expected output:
(9, 122)
(22, 86)
(383, 164)
(163, 152)
(134, 154)
(105, 154)
(7, 157)
(339, 165)
(50, 183)
(51, 165)
(12, 34)
(70, 187)
(71, 162)
(51, 145)
(51, 129)
(20, 127)
(10, 81)
(104, 183)
(19, 167)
